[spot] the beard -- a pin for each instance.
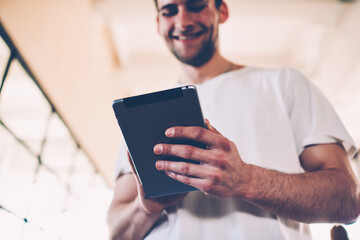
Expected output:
(203, 55)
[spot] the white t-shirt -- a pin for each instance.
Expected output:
(271, 115)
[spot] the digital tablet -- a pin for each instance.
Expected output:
(143, 120)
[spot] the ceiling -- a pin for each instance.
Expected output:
(132, 21)
(316, 36)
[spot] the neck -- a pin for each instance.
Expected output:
(214, 67)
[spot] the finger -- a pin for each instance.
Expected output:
(201, 184)
(211, 128)
(222, 142)
(185, 168)
(207, 123)
(130, 162)
(198, 134)
(138, 183)
(187, 152)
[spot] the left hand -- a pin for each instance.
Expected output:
(222, 173)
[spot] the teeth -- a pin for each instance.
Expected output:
(183, 37)
(186, 37)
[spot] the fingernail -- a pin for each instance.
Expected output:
(158, 148)
(159, 164)
(170, 132)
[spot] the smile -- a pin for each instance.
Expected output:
(183, 37)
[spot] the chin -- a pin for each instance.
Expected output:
(196, 60)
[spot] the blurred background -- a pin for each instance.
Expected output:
(62, 63)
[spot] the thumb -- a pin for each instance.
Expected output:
(138, 183)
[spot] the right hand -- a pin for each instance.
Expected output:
(154, 205)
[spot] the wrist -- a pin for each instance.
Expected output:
(247, 189)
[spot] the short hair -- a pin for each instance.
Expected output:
(217, 4)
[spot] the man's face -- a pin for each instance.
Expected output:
(190, 29)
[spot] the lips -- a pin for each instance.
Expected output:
(187, 36)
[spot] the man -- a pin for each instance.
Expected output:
(283, 162)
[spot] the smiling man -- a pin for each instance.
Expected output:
(192, 44)
(277, 160)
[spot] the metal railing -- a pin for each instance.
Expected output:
(40, 176)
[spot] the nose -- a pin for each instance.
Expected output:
(184, 20)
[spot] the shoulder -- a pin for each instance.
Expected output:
(282, 81)
(284, 78)
(282, 73)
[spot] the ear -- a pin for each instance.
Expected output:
(224, 12)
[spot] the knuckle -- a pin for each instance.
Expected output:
(188, 152)
(216, 176)
(198, 133)
(221, 161)
(225, 144)
(177, 131)
(185, 168)
(186, 180)
(165, 149)
(208, 187)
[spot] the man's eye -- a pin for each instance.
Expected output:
(169, 12)
(195, 8)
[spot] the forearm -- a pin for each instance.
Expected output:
(129, 221)
(326, 192)
(321, 196)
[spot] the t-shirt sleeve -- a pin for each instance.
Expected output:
(122, 165)
(313, 118)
